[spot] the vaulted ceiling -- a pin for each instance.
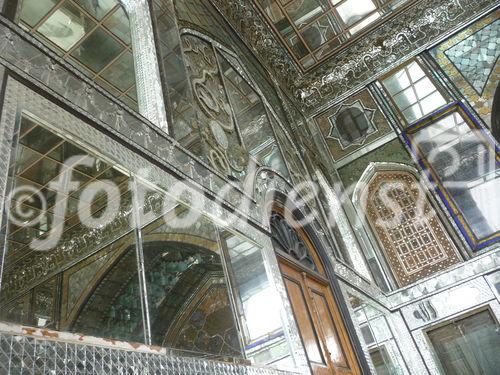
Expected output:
(320, 51)
(313, 30)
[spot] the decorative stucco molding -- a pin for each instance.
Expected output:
(396, 41)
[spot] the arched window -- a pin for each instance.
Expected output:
(405, 224)
(286, 239)
(93, 35)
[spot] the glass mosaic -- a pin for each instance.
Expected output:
(470, 61)
(476, 56)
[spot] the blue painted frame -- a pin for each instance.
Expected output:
(474, 242)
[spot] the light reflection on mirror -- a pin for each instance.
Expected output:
(93, 35)
(258, 303)
(90, 282)
(189, 303)
(262, 313)
(86, 281)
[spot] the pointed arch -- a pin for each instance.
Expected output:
(304, 256)
(398, 211)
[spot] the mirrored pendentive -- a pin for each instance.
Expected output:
(94, 250)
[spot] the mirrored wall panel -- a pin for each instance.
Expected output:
(234, 123)
(189, 303)
(93, 35)
(259, 306)
(251, 116)
(69, 263)
(93, 250)
(378, 337)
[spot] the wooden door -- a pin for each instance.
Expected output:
(327, 344)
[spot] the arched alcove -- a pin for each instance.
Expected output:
(398, 211)
(188, 302)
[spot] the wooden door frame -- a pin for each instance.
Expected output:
(280, 204)
(287, 261)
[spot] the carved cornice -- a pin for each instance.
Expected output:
(254, 30)
(399, 39)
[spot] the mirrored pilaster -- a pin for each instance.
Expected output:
(149, 90)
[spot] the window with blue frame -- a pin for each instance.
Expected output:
(461, 158)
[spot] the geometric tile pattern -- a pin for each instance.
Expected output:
(482, 101)
(416, 244)
(28, 355)
(414, 240)
(475, 57)
(378, 128)
(341, 134)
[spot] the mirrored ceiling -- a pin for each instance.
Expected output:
(313, 30)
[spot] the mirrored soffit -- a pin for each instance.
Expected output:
(360, 55)
(313, 30)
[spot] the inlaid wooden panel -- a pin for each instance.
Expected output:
(304, 321)
(414, 239)
(328, 327)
